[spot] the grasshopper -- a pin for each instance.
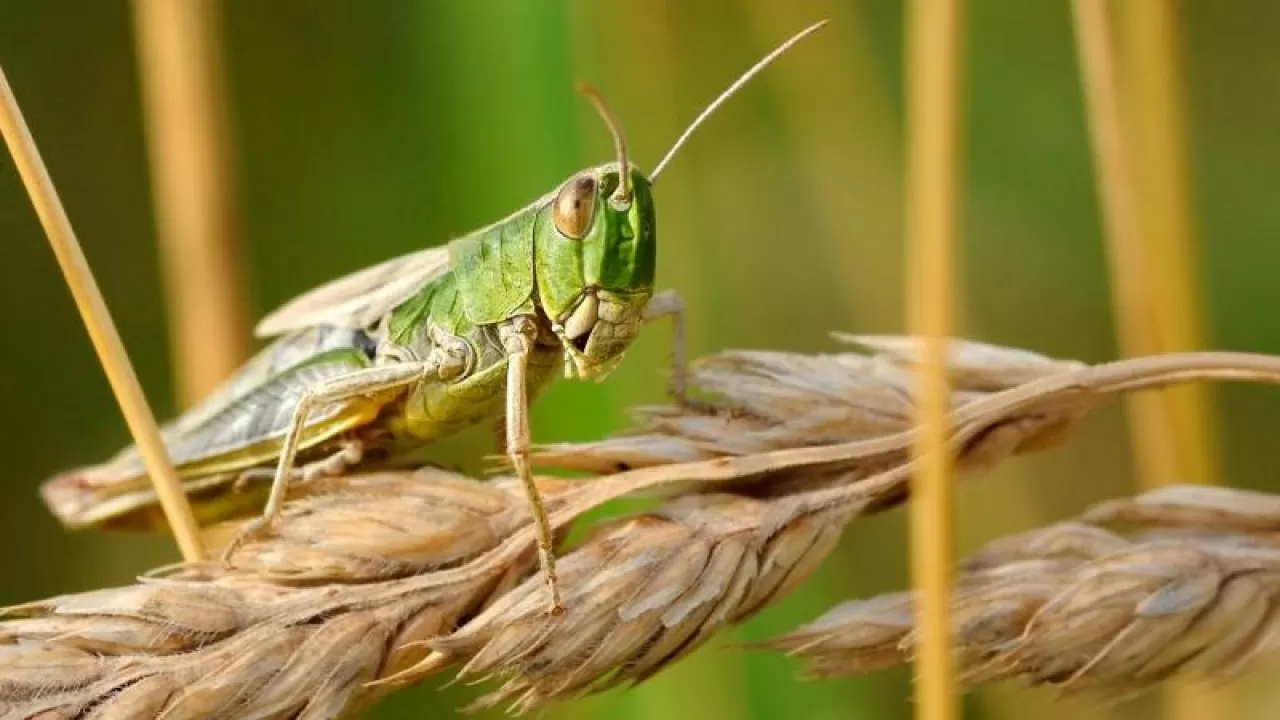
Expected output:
(382, 362)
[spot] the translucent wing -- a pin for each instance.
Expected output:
(360, 299)
(279, 356)
(212, 444)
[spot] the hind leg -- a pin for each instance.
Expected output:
(359, 383)
(341, 460)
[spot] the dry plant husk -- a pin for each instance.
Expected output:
(377, 580)
(780, 400)
(1179, 580)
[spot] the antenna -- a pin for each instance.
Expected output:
(684, 137)
(622, 196)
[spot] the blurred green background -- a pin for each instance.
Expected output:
(364, 130)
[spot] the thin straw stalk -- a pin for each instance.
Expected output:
(1135, 303)
(184, 100)
(1142, 186)
(102, 331)
(1157, 127)
(933, 37)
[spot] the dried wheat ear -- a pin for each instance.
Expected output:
(1180, 580)
(375, 581)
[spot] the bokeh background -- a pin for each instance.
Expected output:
(359, 131)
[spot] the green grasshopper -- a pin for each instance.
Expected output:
(386, 360)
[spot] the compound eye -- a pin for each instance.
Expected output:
(575, 206)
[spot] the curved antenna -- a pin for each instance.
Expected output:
(622, 196)
(684, 137)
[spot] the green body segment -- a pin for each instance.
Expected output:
(438, 408)
(493, 269)
(521, 266)
(435, 410)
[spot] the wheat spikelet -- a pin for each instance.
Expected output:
(298, 626)
(376, 580)
(769, 401)
(379, 526)
(1191, 588)
(642, 592)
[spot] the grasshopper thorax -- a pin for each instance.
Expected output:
(594, 261)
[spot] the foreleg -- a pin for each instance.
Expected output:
(517, 340)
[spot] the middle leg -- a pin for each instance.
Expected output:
(667, 304)
(347, 456)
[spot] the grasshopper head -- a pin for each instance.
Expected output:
(596, 242)
(594, 256)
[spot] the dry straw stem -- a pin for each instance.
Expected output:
(377, 580)
(184, 99)
(1182, 580)
(1150, 273)
(1152, 39)
(1141, 184)
(97, 320)
(933, 39)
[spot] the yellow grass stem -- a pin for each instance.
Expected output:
(1131, 272)
(1143, 186)
(933, 37)
(186, 133)
(1158, 134)
(97, 320)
